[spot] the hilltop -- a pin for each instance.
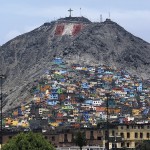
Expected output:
(76, 40)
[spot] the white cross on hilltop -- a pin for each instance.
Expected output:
(70, 10)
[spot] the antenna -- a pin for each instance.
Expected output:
(80, 13)
(101, 18)
(109, 15)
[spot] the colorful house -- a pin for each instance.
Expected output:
(58, 61)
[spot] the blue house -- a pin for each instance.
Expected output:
(66, 102)
(140, 87)
(36, 91)
(111, 103)
(91, 68)
(58, 61)
(53, 96)
(108, 72)
(146, 111)
(86, 116)
(100, 71)
(19, 112)
(88, 102)
(85, 85)
(122, 99)
(54, 93)
(47, 72)
(99, 75)
(126, 90)
(62, 71)
(132, 94)
(52, 102)
(62, 80)
(41, 95)
(54, 90)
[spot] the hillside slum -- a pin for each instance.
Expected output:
(78, 96)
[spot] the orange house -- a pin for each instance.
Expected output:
(100, 109)
(44, 88)
(15, 113)
(60, 115)
(114, 110)
(8, 121)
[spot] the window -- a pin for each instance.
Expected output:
(99, 138)
(65, 138)
(136, 144)
(147, 135)
(141, 135)
(122, 144)
(113, 133)
(91, 133)
(128, 144)
(136, 135)
(121, 127)
(53, 138)
(128, 135)
(114, 145)
(122, 135)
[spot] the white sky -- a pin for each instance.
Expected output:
(20, 16)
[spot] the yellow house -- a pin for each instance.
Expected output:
(25, 124)
(84, 68)
(54, 124)
(14, 123)
(107, 78)
(22, 108)
(135, 112)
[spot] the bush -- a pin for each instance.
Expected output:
(28, 141)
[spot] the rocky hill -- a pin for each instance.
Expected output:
(76, 40)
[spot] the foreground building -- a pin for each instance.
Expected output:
(120, 136)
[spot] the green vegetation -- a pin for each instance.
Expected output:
(80, 139)
(28, 141)
(145, 145)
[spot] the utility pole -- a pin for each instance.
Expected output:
(80, 13)
(107, 123)
(1, 84)
(101, 18)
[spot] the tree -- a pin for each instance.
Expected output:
(80, 139)
(28, 141)
(145, 145)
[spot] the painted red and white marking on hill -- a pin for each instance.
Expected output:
(76, 29)
(59, 29)
(68, 29)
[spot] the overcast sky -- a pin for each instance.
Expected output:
(21, 16)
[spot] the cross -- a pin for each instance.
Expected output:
(70, 10)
